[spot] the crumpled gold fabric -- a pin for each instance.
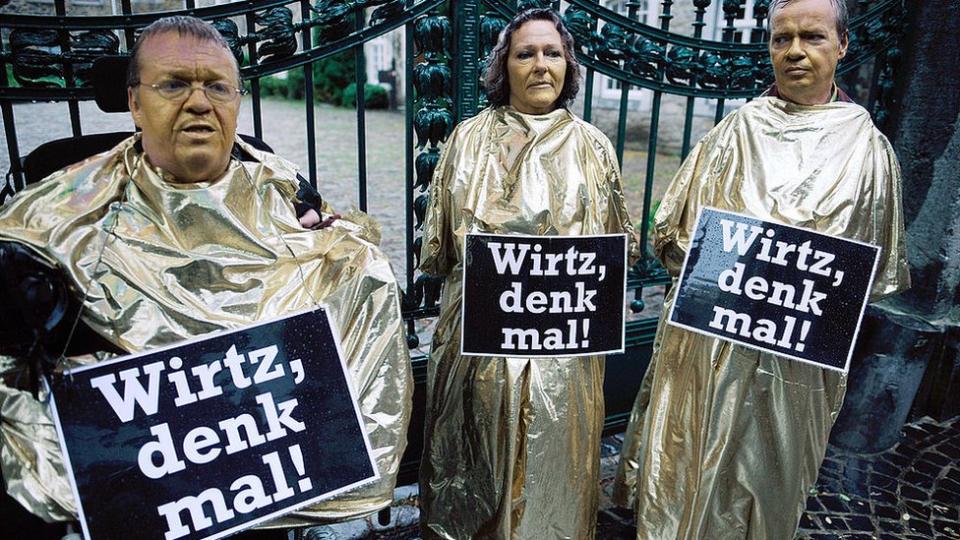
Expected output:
(512, 444)
(724, 441)
(180, 261)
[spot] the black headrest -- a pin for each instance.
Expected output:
(110, 83)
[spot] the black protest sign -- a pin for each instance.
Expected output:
(778, 288)
(214, 435)
(543, 295)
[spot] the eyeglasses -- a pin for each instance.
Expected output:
(177, 90)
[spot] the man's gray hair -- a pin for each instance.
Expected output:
(839, 9)
(185, 26)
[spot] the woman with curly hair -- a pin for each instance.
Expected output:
(512, 444)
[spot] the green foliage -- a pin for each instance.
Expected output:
(374, 96)
(653, 212)
(331, 76)
(274, 86)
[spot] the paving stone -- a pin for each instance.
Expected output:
(883, 495)
(899, 461)
(949, 529)
(884, 511)
(918, 476)
(945, 497)
(920, 527)
(860, 523)
(886, 468)
(949, 485)
(954, 473)
(834, 523)
(808, 522)
(884, 481)
(937, 459)
(922, 472)
(912, 493)
(912, 432)
(834, 504)
(917, 510)
(949, 511)
(891, 526)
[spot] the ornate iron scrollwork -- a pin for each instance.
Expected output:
(682, 65)
(278, 37)
(40, 60)
(231, 34)
(432, 123)
(642, 55)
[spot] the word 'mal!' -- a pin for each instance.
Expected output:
(780, 253)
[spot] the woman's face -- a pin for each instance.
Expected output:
(536, 67)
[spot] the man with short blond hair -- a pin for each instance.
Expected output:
(725, 441)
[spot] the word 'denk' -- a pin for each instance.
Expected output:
(509, 257)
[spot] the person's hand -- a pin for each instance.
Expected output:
(310, 219)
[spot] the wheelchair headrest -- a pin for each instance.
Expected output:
(110, 83)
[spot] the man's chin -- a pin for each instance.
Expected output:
(200, 166)
(803, 92)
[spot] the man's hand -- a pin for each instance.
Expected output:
(310, 219)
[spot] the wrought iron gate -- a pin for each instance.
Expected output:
(49, 57)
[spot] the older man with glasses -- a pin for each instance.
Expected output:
(182, 230)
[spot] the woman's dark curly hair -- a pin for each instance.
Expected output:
(495, 77)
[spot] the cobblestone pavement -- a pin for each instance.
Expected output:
(910, 492)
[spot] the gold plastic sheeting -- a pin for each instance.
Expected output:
(183, 260)
(512, 444)
(724, 441)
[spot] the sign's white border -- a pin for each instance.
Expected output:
(280, 512)
(863, 303)
(550, 354)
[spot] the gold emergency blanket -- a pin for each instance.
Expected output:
(512, 444)
(724, 441)
(180, 261)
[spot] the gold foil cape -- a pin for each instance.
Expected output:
(180, 261)
(512, 444)
(725, 441)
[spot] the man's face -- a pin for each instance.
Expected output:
(190, 138)
(536, 67)
(805, 49)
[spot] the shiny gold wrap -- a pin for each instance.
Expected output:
(180, 261)
(725, 441)
(512, 444)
